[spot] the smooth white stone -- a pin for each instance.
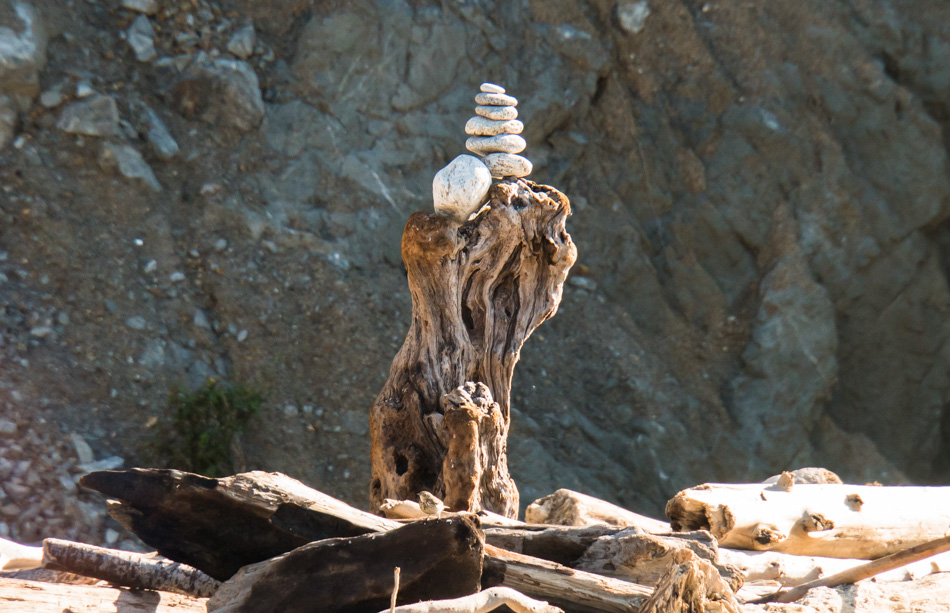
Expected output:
(491, 88)
(495, 100)
(460, 189)
(504, 143)
(502, 165)
(479, 126)
(499, 113)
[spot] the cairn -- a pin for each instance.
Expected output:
(461, 188)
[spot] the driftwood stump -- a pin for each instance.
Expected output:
(478, 289)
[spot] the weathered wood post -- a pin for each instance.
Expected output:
(479, 289)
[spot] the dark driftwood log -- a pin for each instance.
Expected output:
(438, 559)
(478, 291)
(127, 568)
(177, 510)
(219, 525)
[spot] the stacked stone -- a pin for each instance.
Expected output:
(495, 131)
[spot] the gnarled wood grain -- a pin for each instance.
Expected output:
(478, 291)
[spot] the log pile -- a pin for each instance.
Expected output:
(259, 542)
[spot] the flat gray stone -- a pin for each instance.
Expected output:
(141, 37)
(504, 143)
(129, 162)
(480, 126)
(241, 43)
(149, 7)
(94, 116)
(491, 88)
(159, 138)
(495, 100)
(497, 113)
(502, 165)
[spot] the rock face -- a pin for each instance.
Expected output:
(761, 195)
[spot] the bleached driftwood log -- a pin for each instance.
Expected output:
(127, 568)
(18, 596)
(790, 570)
(482, 602)
(569, 508)
(478, 291)
(829, 520)
(573, 590)
(14, 556)
(437, 558)
(691, 584)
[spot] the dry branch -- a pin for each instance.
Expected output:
(127, 568)
(18, 596)
(830, 520)
(865, 571)
(569, 508)
(478, 291)
(482, 602)
(791, 570)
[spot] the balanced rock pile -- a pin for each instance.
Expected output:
(461, 188)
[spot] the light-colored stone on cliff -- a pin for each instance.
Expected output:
(159, 138)
(479, 126)
(460, 189)
(141, 37)
(495, 99)
(149, 7)
(633, 15)
(491, 88)
(504, 143)
(95, 116)
(497, 113)
(241, 43)
(129, 163)
(22, 53)
(221, 91)
(7, 120)
(502, 165)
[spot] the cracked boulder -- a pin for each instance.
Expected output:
(222, 92)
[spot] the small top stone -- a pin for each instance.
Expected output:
(491, 88)
(495, 100)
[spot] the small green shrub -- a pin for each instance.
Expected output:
(203, 424)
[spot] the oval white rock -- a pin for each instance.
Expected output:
(502, 165)
(495, 99)
(491, 88)
(498, 113)
(460, 189)
(479, 126)
(503, 143)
